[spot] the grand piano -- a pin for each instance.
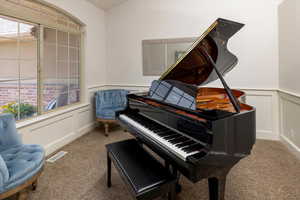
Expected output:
(200, 132)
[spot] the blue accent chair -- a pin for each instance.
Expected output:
(108, 102)
(20, 164)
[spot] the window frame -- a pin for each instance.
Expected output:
(19, 59)
(40, 67)
(40, 58)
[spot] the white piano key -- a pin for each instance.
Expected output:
(181, 154)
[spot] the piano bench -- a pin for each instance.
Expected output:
(145, 177)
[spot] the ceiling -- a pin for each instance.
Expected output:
(106, 4)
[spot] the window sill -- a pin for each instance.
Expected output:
(49, 115)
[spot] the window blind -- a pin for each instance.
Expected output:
(40, 13)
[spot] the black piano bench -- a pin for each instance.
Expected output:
(145, 177)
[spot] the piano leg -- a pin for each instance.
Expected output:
(172, 193)
(217, 188)
(176, 174)
(178, 187)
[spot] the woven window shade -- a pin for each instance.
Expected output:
(39, 13)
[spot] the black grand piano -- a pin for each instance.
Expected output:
(200, 132)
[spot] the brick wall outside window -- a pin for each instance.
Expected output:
(9, 93)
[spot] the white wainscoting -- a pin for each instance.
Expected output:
(264, 100)
(266, 104)
(62, 127)
(289, 120)
(57, 129)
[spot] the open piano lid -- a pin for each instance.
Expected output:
(207, 60)
(194, 68)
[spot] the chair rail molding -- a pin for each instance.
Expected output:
(265, 100)
(277, 113)
(59, 128)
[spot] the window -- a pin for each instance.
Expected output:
(18, 61)
(39, 59)
(158, 55)
(61, 69)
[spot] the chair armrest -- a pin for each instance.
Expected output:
(9, 135)
(4, 174)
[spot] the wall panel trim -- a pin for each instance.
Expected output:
(289, 98)
(273, 132)
(270, 134)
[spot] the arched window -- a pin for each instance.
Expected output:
(40, 58)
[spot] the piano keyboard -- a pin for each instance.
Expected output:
(176, 143)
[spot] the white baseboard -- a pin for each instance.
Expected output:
(56, 145)
(266, 135)
(290, 145)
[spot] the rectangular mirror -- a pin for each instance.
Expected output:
(158, 55)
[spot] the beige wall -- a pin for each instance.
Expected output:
(135, 20)
(256, 45)
(289, 45)
(289, 70)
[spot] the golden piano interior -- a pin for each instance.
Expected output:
(56, 55)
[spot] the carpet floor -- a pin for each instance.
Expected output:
(271, 172)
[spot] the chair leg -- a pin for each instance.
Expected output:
(108, 171)
(22, 195)
(106, 128)
(34, 185)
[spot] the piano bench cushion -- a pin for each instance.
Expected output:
(141, 171)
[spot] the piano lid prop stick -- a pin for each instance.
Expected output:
(232, 98)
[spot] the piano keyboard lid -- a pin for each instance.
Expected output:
(194, 68)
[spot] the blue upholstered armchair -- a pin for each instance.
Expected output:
(20, 164)
(108, 102)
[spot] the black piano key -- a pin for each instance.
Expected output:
(160, 129)
(154, 126)
(170, 137)
(145, 122)
(184, 144)
(157, 132)
(179, 140)
(149, 124)
(192, 148)
(166, 131)
(164, 134)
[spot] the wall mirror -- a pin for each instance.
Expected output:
(159, 54)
